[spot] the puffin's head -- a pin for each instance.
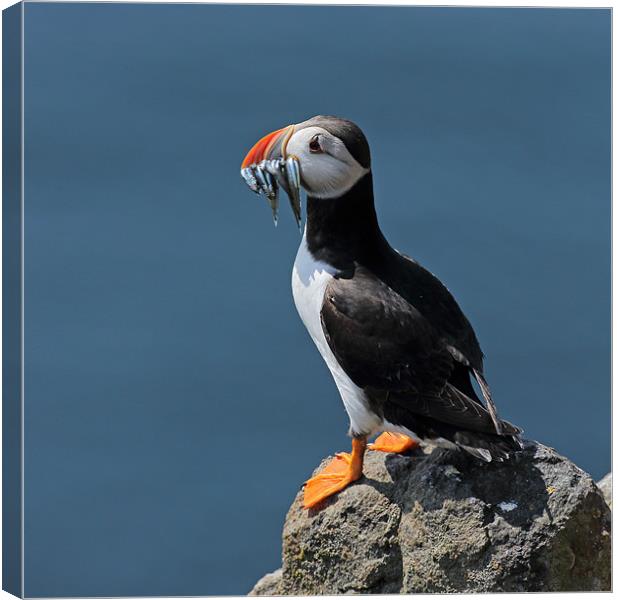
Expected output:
(330, 154)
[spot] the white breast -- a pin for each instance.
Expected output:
(309, 280)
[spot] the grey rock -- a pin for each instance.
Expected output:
(605, 485)
(269, 585)
(442, 521)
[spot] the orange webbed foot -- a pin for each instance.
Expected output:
(393, 442)
(337, 475)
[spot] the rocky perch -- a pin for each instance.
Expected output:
(444, 522)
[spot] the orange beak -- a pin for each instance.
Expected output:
(272, 145)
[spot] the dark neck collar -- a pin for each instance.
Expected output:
(345, 230)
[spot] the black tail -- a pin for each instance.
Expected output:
(488, 447)
(453, 417)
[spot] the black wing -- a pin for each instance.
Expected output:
(393, 351)
(432, 299)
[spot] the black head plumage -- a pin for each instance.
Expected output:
(348, 132)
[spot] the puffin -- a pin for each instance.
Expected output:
(401, 352)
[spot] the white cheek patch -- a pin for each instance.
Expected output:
(328, 174)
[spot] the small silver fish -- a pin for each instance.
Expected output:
(292, 173)
(266, 177)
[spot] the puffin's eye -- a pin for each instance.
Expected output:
(314, 145)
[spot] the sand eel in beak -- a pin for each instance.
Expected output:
(265, 175)
(401, 352)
